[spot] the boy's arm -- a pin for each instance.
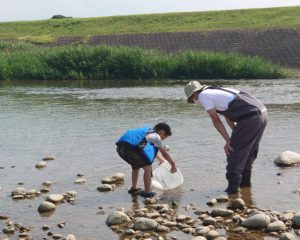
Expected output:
(167, 156)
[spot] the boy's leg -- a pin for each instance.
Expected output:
(135, 177)
(147, 178)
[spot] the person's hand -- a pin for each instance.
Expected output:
(173, 169)
(228, 148)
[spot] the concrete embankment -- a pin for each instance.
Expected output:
(281, 46)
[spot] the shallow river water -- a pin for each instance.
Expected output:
(79, 123)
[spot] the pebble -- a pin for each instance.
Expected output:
(41, 164)
(46, 207)
(106, 187)
(55, 198)
(9, 230)
(276, 226)
(212, 202)
(237, 204)
(47, 183)
(145, 224)
(221, 212)
(48, 158)
(212, 234)
(80, 181)
(209, 221)
(256, 221)
(286, 236)
(222, 198)
(117, 217)
(70, 237)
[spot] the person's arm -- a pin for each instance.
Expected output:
(167, 156)
(221, 129)
(230, 123)
(160, 158)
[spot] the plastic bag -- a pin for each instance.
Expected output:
(165, 180)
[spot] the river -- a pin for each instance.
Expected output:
(79, 122)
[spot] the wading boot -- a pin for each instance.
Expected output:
(234, 181)
(246, 178)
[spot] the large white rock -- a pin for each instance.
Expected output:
(18, 191)
(287, 158)
(145, 224)
(221, 212)
(256, 221)
(117, 217)
(46, 207)
(41, 164)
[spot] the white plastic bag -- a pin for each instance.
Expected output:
(165, 180)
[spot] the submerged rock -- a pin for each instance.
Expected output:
(46, 207)
(55, 198)
(145, 224)
(48, 158)
(117, 217)
(80, 181)
(106, 187)
(287, 158)
(41, 164)
(256, 221)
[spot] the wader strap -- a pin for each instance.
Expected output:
(222, 89)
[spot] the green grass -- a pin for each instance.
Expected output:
(24, 61)
(46, 31)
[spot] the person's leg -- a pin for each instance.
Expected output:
(147, 178)
(134, 178)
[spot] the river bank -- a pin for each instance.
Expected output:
(24, 61)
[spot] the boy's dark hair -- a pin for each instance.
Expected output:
(163, 126)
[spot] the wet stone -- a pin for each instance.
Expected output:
(80, 181)
(106, 187)
(145, 224)
(41, 164)
(46, 207)
(117, 217)
(256, 221)
(237, 204)
(276, 226)
(9, 230)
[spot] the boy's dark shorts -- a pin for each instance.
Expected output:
(131, 155)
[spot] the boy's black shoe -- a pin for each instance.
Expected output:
(135, 191)
(147, 194)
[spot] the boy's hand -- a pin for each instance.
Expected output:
(173, 169)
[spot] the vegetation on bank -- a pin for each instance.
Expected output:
(47, 31)
(24, 61)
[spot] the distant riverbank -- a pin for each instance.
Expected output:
(25, 61)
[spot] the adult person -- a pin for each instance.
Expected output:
(245, 115)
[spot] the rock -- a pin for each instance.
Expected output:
(57, 236)
(237, 204)
(71, 193)
(286, 236)
(18, 191)
(212, 202)
(119, 177)
(47, 183)
(41, 164)
(202, 230)
(222, 198)
(221, 212)
(209, 221)
(18, 197)
(80, 181)
(45, 190)
(55, 198)
(46, 207)
(45, 228)
(145, 224)
(117, 217)
(296, 219)
(32, 192)
(181, 218)
(2, 217)
(48, 158)
(256, 221)
(199, 238)
(9, 230)
(212, 234)
(61, 225)
(287, 158)
(106, 187)
(129, 232)
(163, 229)
(70, 237)
(276, 226)
(108, 180)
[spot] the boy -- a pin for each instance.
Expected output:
(139, 147)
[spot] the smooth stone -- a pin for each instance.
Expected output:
(199, 238)
(18, 191)
(32, 192)
(212, 202)
(2, 217)
(119, 176)
(117, 217)
(145, 224)
(181, 218)
(45, 190)
(45, 228)
(46, 207)
(296, 219)
(108, 180)
(129, 232)
(256, 221)
(18, 197)
(71, 193)
(222, 198)
(55, 198)
(48, 158)
(163, 229)
(47, 183)
(41, 164)
(57, 236)
(9, 230)
(106, 187)
(209, 221)
(69, 237)
(212, 234)
(276, 226)
(202, 230)
(237, 204)
(80, 181)
(286, 236)
(287, 158)
(221, 212)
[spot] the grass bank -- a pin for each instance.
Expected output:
(24, 61)
(46, 31)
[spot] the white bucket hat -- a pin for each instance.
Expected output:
(192, 87)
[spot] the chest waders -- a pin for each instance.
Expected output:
(250, 116)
